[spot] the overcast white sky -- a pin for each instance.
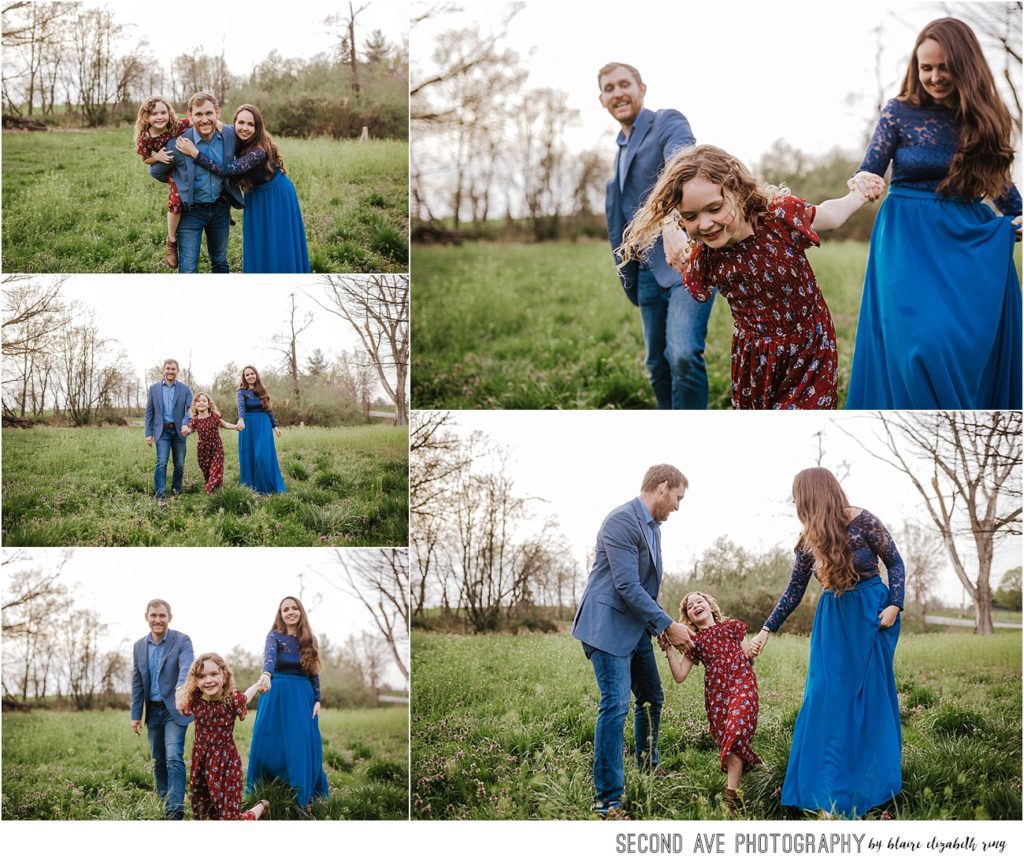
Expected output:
(248, 31)
(740, 466)
(744, 74)
(220, 597)
(207, 321)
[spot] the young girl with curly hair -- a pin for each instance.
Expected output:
(940, 316)
(730, 687)
(215, 779)
(155, 125)
(207, 423)
(749, 244)
(286, 742)
(846, 750)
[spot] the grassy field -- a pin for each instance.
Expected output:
(548, 326)
(346, 487)
(83, 202)
(503, 727)
(72, 766)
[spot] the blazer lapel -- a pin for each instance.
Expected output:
(636, 137)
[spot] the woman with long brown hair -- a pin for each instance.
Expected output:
(286, 742)
(940, 317)
(846, 750)
(257, 455)
(273, 234)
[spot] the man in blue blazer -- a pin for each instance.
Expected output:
(206, 199)
(675, 325)
(617, 616)
(160, 665)
(168, 423)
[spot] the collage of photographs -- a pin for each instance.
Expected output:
(512, 428)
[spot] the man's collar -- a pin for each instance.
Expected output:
(164, 382)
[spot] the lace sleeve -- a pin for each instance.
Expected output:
(242, 165)
(883, 142)
(270, 652)
(695, 278)
(241, 405)
(315, 680)
(794, 592)
(1009, 202)
(880, 541)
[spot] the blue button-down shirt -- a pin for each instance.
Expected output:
(168, 393)
(206, 187)
(653, 533)
(155, 655)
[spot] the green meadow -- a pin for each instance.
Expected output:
(94, 486)
(503, 728)
(547, 325)
(72, 766)
(83, 202)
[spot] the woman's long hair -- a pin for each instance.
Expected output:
(714, 165)
(981, 165)
(261, 138)
(309, 650)
(191, 692)
(257, 387)
(142, 118)
(824, 512)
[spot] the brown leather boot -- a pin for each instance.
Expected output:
(172, 254)
(732, 801)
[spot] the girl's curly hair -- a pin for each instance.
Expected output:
(191, 692)
(716, 612)
(142, 118)
(194, 411)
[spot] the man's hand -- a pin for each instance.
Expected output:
(677, 635)
(149, 441)
(186, 431)
(136, 725)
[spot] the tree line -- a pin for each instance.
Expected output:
(52, 653)
(482, 563)
(491, 160)
(59, 366)
(65, 62)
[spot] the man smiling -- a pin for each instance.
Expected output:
(206, 199)
(168, 423)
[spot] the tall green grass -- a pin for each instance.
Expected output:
(346, 487)
(72, 766)
(548, 326)
(503, 728)
(83, 202)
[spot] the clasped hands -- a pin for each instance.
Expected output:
(871, 186)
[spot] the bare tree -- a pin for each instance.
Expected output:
(966, 466)
(290, 348)
(377, 308)
(379, 579)
(348, 41)
(923, 554)
(33, 39)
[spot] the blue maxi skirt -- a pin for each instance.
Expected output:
(286, 740)
(940, 317)
(273, 235)
(847, 742)
(257, 455)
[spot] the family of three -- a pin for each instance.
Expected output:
(688, 222)
(209, 168)
(172, 414)
(171, 689)
(845, 757)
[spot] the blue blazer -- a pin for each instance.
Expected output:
(155, 408)
(619, 603)
(177, 660)
(656, 136)
(184, 168)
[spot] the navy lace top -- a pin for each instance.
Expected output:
(921, 142)
(869, 541)
(253, 166)
(249, 402)
(281, 653)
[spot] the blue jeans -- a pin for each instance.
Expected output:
(170, 441)
(216, 221)
(675, 327)
(616, 676)
(167, 746)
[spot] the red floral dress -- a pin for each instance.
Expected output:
(730, 688)
(215, 781)
(210, 450)
(146, 146)
(783, 343)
